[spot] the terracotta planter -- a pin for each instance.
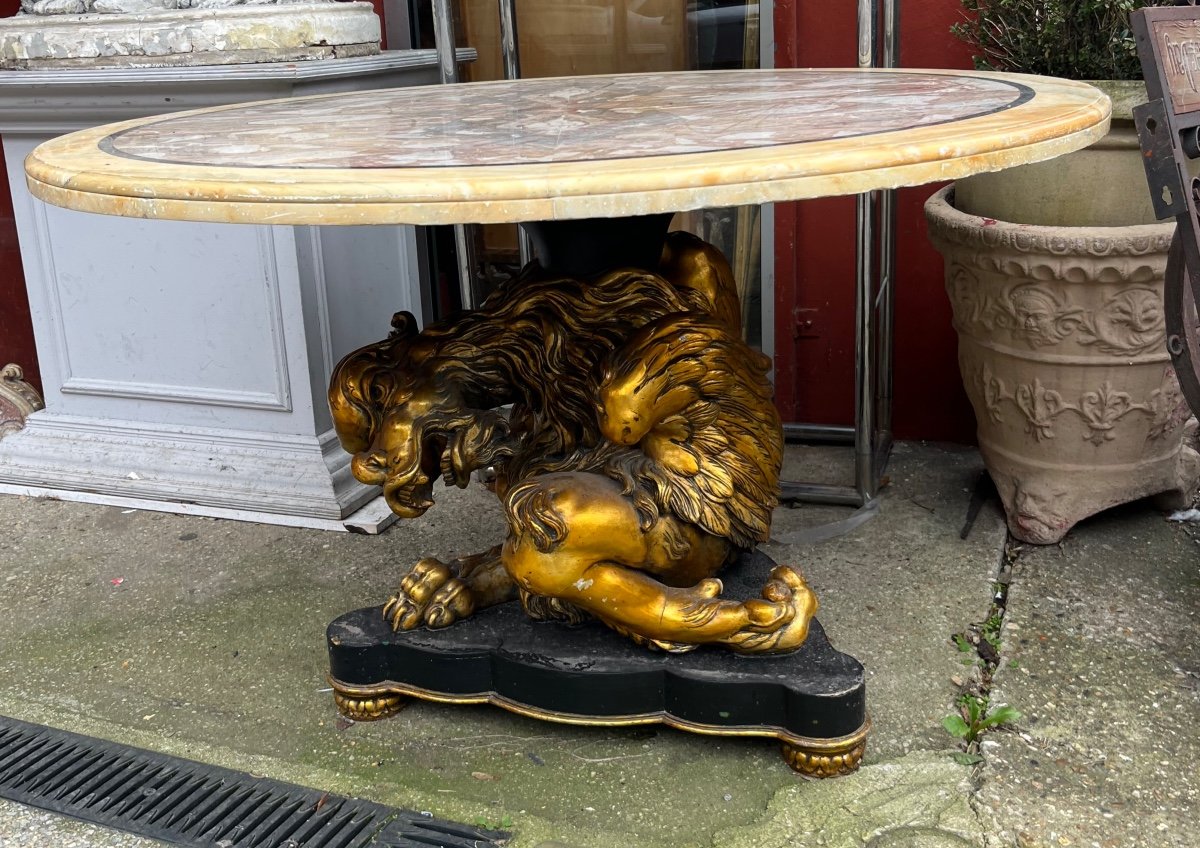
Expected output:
(1062, 352)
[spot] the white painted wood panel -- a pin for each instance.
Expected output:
(185, 365)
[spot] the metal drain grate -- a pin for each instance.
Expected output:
(189, 803)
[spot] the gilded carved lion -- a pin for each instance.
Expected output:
(639, 453)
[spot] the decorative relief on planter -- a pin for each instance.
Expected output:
(1128, 323)
(1099, 410)
(997, 240)
(18, 399)
(1062, 348)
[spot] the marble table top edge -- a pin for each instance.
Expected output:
(75, 171)
(323, 211)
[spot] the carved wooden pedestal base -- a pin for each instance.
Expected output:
(812, 700)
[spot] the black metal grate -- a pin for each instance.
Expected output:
(188, 803)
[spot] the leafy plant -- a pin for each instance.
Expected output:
(974, 719)
(486, 823)
(1077, 39)
(991, 630)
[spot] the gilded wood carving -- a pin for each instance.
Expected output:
(639, 453)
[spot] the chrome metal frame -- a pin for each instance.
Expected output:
(874, 311)
(464, 234)
(510, 52)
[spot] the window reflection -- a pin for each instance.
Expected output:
(577, 37)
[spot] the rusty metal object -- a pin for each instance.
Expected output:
(1168, 41)
(1183, 326)
(641, 453)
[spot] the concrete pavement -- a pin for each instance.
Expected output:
(204, 639)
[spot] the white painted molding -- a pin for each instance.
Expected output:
(317, 262)
(52, 311)
(235, 441)
(175, 394)
(279, 400)
(123, 93)
(372, 518)
(273, 474)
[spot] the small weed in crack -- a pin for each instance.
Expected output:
(975, 714)
(975, 717)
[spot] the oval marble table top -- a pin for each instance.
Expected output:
(569, 147)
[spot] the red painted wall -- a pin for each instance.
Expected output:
(815, 255)
(16, 331)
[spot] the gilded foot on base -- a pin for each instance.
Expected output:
(826, 760)
(372, 708)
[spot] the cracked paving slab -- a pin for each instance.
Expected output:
(919, 800)
(205, 639)
(1100, 656)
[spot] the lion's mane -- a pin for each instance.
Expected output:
(542, 345)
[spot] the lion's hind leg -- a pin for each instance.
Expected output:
(437, 594)
(578, 538)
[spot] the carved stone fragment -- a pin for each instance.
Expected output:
(18, 399)
(169, 33)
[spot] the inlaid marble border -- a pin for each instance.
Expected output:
(475, 128)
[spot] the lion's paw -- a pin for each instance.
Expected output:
(429, 595)
(779, 622)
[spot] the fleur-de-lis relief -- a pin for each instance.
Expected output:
(1040, 406)
(993, 392)
(1102, 409)
(1130, 322)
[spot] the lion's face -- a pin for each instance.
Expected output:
(404, 456)
(406, 424)
(415, 435)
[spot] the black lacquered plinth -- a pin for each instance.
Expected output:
(813, 700)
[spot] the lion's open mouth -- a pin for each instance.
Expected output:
(408, 500)
(410, 493)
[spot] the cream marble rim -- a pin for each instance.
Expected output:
(72, 171)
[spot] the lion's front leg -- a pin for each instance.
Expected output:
(437, 594)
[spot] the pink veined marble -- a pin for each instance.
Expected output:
(579, 119)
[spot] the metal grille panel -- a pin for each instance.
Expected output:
(193, 804)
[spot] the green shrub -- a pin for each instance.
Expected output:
(1076, 39)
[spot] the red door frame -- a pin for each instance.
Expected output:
(814, 255)
(16, 329)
